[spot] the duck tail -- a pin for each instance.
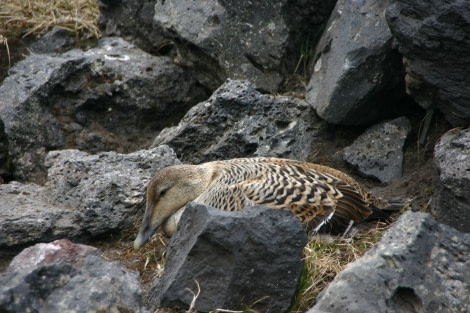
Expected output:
(385, 213)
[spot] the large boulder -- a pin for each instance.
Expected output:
(66, 277)
(451, 197)
(418, 266)
(357, 76)
(378, 152)
(239, 121)
(85, 196)
(105, 190)
(433, 39)
(113, 97)
(240, 39)
(250, 258)
(133, 21)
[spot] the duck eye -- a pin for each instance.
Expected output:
(163, 192)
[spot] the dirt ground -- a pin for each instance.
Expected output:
(416, 183)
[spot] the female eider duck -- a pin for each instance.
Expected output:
(317, 195)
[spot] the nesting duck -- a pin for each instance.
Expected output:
(317, 195)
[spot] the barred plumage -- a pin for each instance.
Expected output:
(314, 193)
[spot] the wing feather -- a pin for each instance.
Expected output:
(317, 195)
(225, 197)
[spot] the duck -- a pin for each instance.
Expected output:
(321, 197)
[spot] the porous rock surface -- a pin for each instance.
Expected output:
(27, 218)
(433, 39)
(237, 258)
(113, 97)
(247, 40)
(65, 277)
(85, 196)
(451, 198)
(418, 266)
(239, 121)
(56, 40)
(357, 73)
(133, 21)
(378, 152)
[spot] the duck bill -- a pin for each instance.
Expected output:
(146, 231)
(144, 235)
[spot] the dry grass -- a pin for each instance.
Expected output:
(36, 17)
(148, 260)
(326, 256)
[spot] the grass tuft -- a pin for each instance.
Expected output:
(36, 17)
(4, 41)
(326, 256)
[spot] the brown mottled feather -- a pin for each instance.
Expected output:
(310, 191)
(319, 196)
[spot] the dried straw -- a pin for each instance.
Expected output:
(36, 17)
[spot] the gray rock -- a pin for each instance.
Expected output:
(238, 121)
(238, 39)
(106, 190)
(53, 278)
(356, 73)
(85, 196)
(237, 258)
(305, 20)
(451, 197)
(133, 21)
(378, 152)
(26, 217)
(62, 250)
(433, 39)
(418, 266)
(5, 171)
(114, 97)
(56, 40)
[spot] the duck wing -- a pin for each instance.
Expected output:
(224, 197)
(313, 196)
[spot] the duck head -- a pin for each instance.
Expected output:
(167, 192)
